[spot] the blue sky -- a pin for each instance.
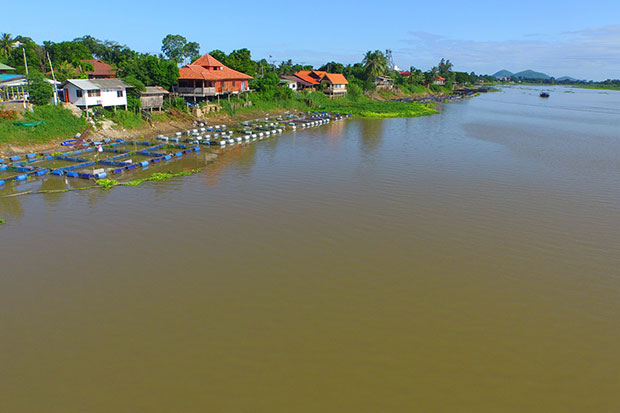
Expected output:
(579, 39)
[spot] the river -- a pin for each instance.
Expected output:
(467, 261)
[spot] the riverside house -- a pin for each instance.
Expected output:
(86, 93)
(208, 78)
(334, 84)
(440, 81)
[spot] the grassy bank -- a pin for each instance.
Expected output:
(360, 106)
(59, 124)
(599, 87)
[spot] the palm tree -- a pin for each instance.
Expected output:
(375, 63)
(6, 44)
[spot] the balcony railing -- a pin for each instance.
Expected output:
(194, 91)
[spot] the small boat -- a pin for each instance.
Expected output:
(68, 142)
(544, 95)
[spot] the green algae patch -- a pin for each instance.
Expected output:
(106, 184)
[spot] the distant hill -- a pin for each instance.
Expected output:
(530, 74)
(566, 79)
(503, 73)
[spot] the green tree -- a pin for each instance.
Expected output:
(375, 63)
(241, 60)
(219, 55)
(65, 70)
(7, 43)
(176, 47)
(333, 67)
(191, 51)
(444, 68)
(67, 51)
(173, 46)
(40, 91)
(35, 55)
(151, 70)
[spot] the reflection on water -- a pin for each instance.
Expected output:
(465, 259)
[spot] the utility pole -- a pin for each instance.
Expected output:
(54, 77)
(25, 61)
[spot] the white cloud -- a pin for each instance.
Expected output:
(592, 53)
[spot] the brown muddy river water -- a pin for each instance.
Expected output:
(468, 261)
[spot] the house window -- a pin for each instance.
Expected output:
(243, 85)
(119, 93)
(94, 93)
(78, 93)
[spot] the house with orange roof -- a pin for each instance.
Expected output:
(440, 81)
(333, 84)
(207, 78)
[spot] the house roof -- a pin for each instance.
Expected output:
(208, 68)
(6, 77)
(305, 76)
(441, 78)
(406, 73)
(294, 78)
(90, 84)
(20, 80)
(336, 78)
(5, 67)
(207, 60)
(99, 68)
(154, 90)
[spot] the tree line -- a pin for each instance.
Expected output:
(67, 58)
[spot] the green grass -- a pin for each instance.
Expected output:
(600, 87)
(59, 124)
(126, 119)
(368, 108)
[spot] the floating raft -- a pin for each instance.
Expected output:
(105, 158)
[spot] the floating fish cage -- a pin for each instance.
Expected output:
(100, 159)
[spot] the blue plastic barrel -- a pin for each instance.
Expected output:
(101, 175)
(196, 148)
(1, 182)
(144, 163)
(14, 158)
(21, 177)
(178, 154)
(41, 172)
(3, 167)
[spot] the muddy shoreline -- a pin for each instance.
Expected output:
(145, 133)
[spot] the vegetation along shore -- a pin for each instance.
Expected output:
(38, 111)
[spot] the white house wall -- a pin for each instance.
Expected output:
(108, 97)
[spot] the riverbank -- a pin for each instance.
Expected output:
(61, 124)
(597, 87)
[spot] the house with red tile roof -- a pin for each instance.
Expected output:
(101, 70)
(334, 84)
(440, 81)
(207, 77)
